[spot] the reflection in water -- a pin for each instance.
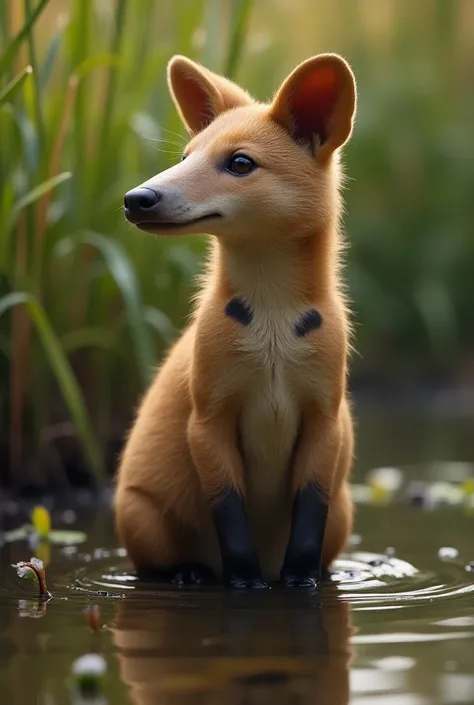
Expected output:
(395, 627)
(285, 648)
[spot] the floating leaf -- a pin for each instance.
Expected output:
(67, 538)
(27, 532)
(17, 534)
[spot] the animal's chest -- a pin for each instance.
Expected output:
(275, 364)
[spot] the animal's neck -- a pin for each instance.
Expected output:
(280, 272)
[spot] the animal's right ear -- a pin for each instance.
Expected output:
(201, 95)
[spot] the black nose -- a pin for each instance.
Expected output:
(140, 199)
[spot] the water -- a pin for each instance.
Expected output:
(387, 629)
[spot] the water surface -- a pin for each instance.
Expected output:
(387, 629)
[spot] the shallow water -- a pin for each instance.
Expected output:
(386, 629)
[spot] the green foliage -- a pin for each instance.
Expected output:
(85, 115)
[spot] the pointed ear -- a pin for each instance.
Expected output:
(201, 95)
(317, 103)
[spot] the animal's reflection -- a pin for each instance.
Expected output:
(210, 648)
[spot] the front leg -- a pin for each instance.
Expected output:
(213, 445)
(314, 468)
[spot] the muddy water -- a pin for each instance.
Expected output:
(387, 629)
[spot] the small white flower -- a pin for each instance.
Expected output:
(389, 479)
(447, 553)
(24, 571)
(89, 665)
(37, 563)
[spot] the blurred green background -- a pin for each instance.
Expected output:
(88, 305)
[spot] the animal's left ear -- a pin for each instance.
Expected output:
(317, 103)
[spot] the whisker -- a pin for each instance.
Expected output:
(159, 139)
(176, 134)
(168, 151)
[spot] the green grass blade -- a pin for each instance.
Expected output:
(238, 31)
(50, 61)
(38, 108)
(109, 103)
(40, 191)
(15, 84)
(9, 53)
(64, 377)
(161, 323)
(97, 61)
(123, 272)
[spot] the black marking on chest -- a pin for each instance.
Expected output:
(240, 311)
(308, 321)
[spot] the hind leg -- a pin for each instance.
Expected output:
(156, 543)
(158, 500)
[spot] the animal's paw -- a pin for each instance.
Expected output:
(301, 581)
(241, 582)
(191, 574)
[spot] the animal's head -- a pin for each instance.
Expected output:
(251, 168)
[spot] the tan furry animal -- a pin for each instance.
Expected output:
(240, 453)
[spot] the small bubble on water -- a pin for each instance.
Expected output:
(121, 552)
(470, 567)
(448, 553)
(390, 552)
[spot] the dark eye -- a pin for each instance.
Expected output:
(240, 165)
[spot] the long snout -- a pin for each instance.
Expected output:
(178, 198)
(140, 204)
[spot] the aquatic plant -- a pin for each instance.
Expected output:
(34, 570)
(40, 532)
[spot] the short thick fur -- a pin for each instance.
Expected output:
(253, 407)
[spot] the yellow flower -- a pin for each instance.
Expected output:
(468, 486)
(43, 551)
(41, 520)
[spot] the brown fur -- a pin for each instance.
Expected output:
(278, 246)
